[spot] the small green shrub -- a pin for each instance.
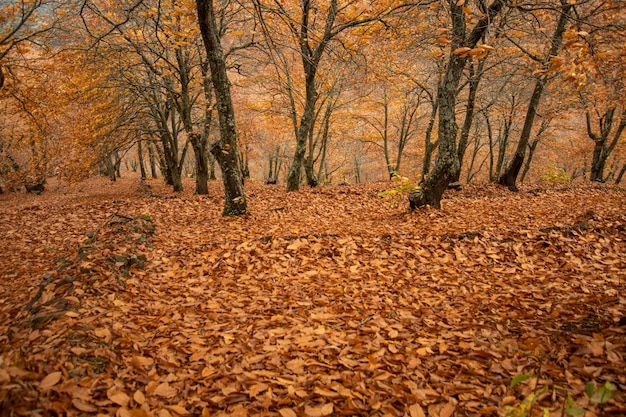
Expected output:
(595, 398)
(402, 184)
(555, 174)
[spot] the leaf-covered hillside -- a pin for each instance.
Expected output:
(125, 299)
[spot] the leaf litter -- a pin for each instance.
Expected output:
(328, 301)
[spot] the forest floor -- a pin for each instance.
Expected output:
(127, 299)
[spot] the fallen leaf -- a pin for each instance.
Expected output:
(139, 397)
(50, 381)
(84, 406)
(447, 410)
(324, 410)
(119, 398)
(181, 411)
(416, 410)
(287, 412)
(165, 390)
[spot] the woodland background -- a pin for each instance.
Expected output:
(323, 92)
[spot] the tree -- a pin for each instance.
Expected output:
(596, 72)
(395, 131)
(313, 30)
(225, 149)
(462, 44)
(548, 61)
(22, 22)
(603, 143)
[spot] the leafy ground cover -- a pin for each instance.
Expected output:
(125, 299)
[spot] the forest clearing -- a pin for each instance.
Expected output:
(124, 298)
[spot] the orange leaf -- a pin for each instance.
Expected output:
(139, 397)
(181, 411)
(119, 398)
(416, 411)
(324, 410)
(461, 51)
(447, 410)
(83, 406)
(256, 389)
(165, 390)
(50, 381)
(287, 412)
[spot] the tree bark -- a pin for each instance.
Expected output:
(151, 157)
(474, 80)
(429, 146)
(142, 165)
(225, 149)
(202, 163)
(619, 177)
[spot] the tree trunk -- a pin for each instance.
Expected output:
(509, 177)
(153, 169)
(310, 60)
(357, 170)
(212, 176)
(306, 122)
(429, 147)
(532, 147)
(619, 177)
(118, 164)
(110, 167)
(142, 165)
(447, 162)
(202, 163)
(184, 105)
(474, 80)
(225, 149)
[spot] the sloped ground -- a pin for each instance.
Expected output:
(124, 299)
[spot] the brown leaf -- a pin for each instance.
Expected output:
(139, 397)
(84, 406)
(256, 389)
(416, 410)
(181, 411)
(324, 410)
(287, 412)
(5, 378)
(165, 390)
(447, 410)
(49, 381)
(119, 398)
(103, 333)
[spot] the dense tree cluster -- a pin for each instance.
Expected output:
(312, 91)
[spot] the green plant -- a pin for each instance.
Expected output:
(595, 397)
(147, 217)
(402, 185)
(555, 174)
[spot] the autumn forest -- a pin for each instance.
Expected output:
(312, 208)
